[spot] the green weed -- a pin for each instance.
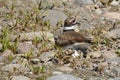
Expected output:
(38, 69)
(5, 39)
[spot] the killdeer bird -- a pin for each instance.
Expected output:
(70, 36)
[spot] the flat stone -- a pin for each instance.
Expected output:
(95, 78)
(46, 5)
(86, 26)
(64, 77)
(57, 72)
(20, 78)
(114, 3)
(102, 66)
(65, 69)
(98, 11)
(16, 60)
(7, 53)
(95, 54)
(83, 2)
(32, 35)
(112, 16)
(118, 78)
(116, 70)
(26, 47)
(1, 58)
(114, 60)
(109, 54)
(54, 16)
(46, 56)
(114, 34)
(12, 67)
(35, 61)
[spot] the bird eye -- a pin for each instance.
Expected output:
(74, 20)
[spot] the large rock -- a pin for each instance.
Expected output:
(108, 54)
(114, 34)
(102, 66)
(118, 78)
(54, 16)
(46, 56)
(64, 77)
(45, 5)
(20, 78)
(12, 67)
(94, 54)
(114, 60)
(115, 3)
(5, 55)
(26, 47)
(32, 35)
(86, 19)
(64, 69)
(111, 16)
(116, 70)
(95, 78)
(83, 2)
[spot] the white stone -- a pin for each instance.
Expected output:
(40, 35)
(20, 78)
(64, 77)
(112, 15)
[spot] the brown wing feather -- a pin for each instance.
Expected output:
(70, 37)
(74, 36)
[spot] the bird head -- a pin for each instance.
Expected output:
(70, 24)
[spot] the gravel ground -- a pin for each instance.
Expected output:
(27, 45)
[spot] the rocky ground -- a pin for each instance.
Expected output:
(27, 45)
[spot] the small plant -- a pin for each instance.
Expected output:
(98, 33)
(10, 58)
(13, 47)
(47, 25)
(28, 55)
(43, 77)
(118, 52)
(36, 40)
(45, 43)
(5, 39)
(38, 69)
(40, 5)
